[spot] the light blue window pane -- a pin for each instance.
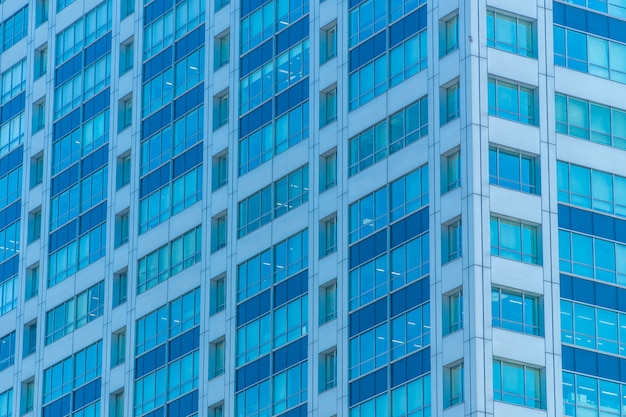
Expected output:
(527, 106)
(562, 177)
(598, 56)
(506, 33)
(510, 240)
(602, 185)
(576, 51)
(530, 250)
(620, 195)
(513, 383)
(561, 113)
(525, 38)
(507, 101)
(607, 331)
(580, 183)
(605, 260)
(559, 46)
(582, 255)
(600, 124)
(609, 397)
(620, 257)
(587, 389)
(619, 128)
(618, 62)
(491, 29)
(509, 165)
(512, 313)
(585, 326)
(567, 322)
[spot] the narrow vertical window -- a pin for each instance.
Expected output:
(222, 50)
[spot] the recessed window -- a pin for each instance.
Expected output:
(516, 311)
(328, 302)
(220, 4)
(222, 50)
(328, 370)
(220, 110)
(511, 34)
(449, 35)
(123, 170)
(34, 225)
(218, 294)
(117, 401)
(217, 355)
(28, 396)
(41, 61)
(328, 42)
(39, 115)
(220, 170)
(450, 102)
(328, 235)
(30, 338)
(452, 312)
(121, 228)
(512, 102)
(513, 239)
(32, 282)
(518, 384)
(36, 170)
(118, 347)
(453, 384)
(127, 55)
(451, 237)
(41, 14)
(125, 113)
(513, 170)
(450, 171)
(120, 288)
(328, 106)
(219, 226)
(328, 170)
(127, 8)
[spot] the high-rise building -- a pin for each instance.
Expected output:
(352, 208)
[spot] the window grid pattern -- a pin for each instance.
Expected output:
(512, 102)
(511, 34)
(516, 311)
(515, 240)
(514, 170)
(518, 384)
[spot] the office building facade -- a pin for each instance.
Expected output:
(334, 208)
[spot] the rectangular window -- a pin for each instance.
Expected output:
(220, 170)
(368, 351)
(39, 115)
(127, 55)
(32, 282)
(516, 311)
(328, 370)
(217, 357)
(328, 170)
(118, 347)
(511, 34)
(125, 113)
(158, 35)
(217, 410)
(453, 382)
(41, 61)
(41, 13)
(514, 170)
(518, 384)
(30, 338)
(328, 303)
(34, 225)
(328, 236)
(450, 102)
(328, 43)
(513, 102)
(290, 388)
(368, 82)
(590, 121)
(219, 226)
(450, 171)
(123, 171)
(328, 106)
(453, 312)
(14, 28)
(220, 110)
(218, 294)
(451, 240)
(222, 50)
(13, 81)
(28, 397)
(7, 351)
(120, 288)
(448, 35)
(117, 398)
(36, 170)
(126, 9)
(515, 240)
(121, 228)
(219, 5)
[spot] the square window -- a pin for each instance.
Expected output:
(123, 170)
(121, 228)
(328, 170)
(120, 288)
(220, 170)
(36, 170)
(328, 235)
(41, 61)
(328, 42)
(217, 357)
(453, 383)
(34, 225)
(39, 115)
(218, 294)
(328, 106)
(453, 312)
(450, 98)
(450, 171)
(222, 50)
(118, 347)
(220, 110)
(125, 113)
(219, 224)
(448, 35)
(514, 170)
(328, 370)
(516, 311)
(515, 240)
(451, 237)
(328, 302)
